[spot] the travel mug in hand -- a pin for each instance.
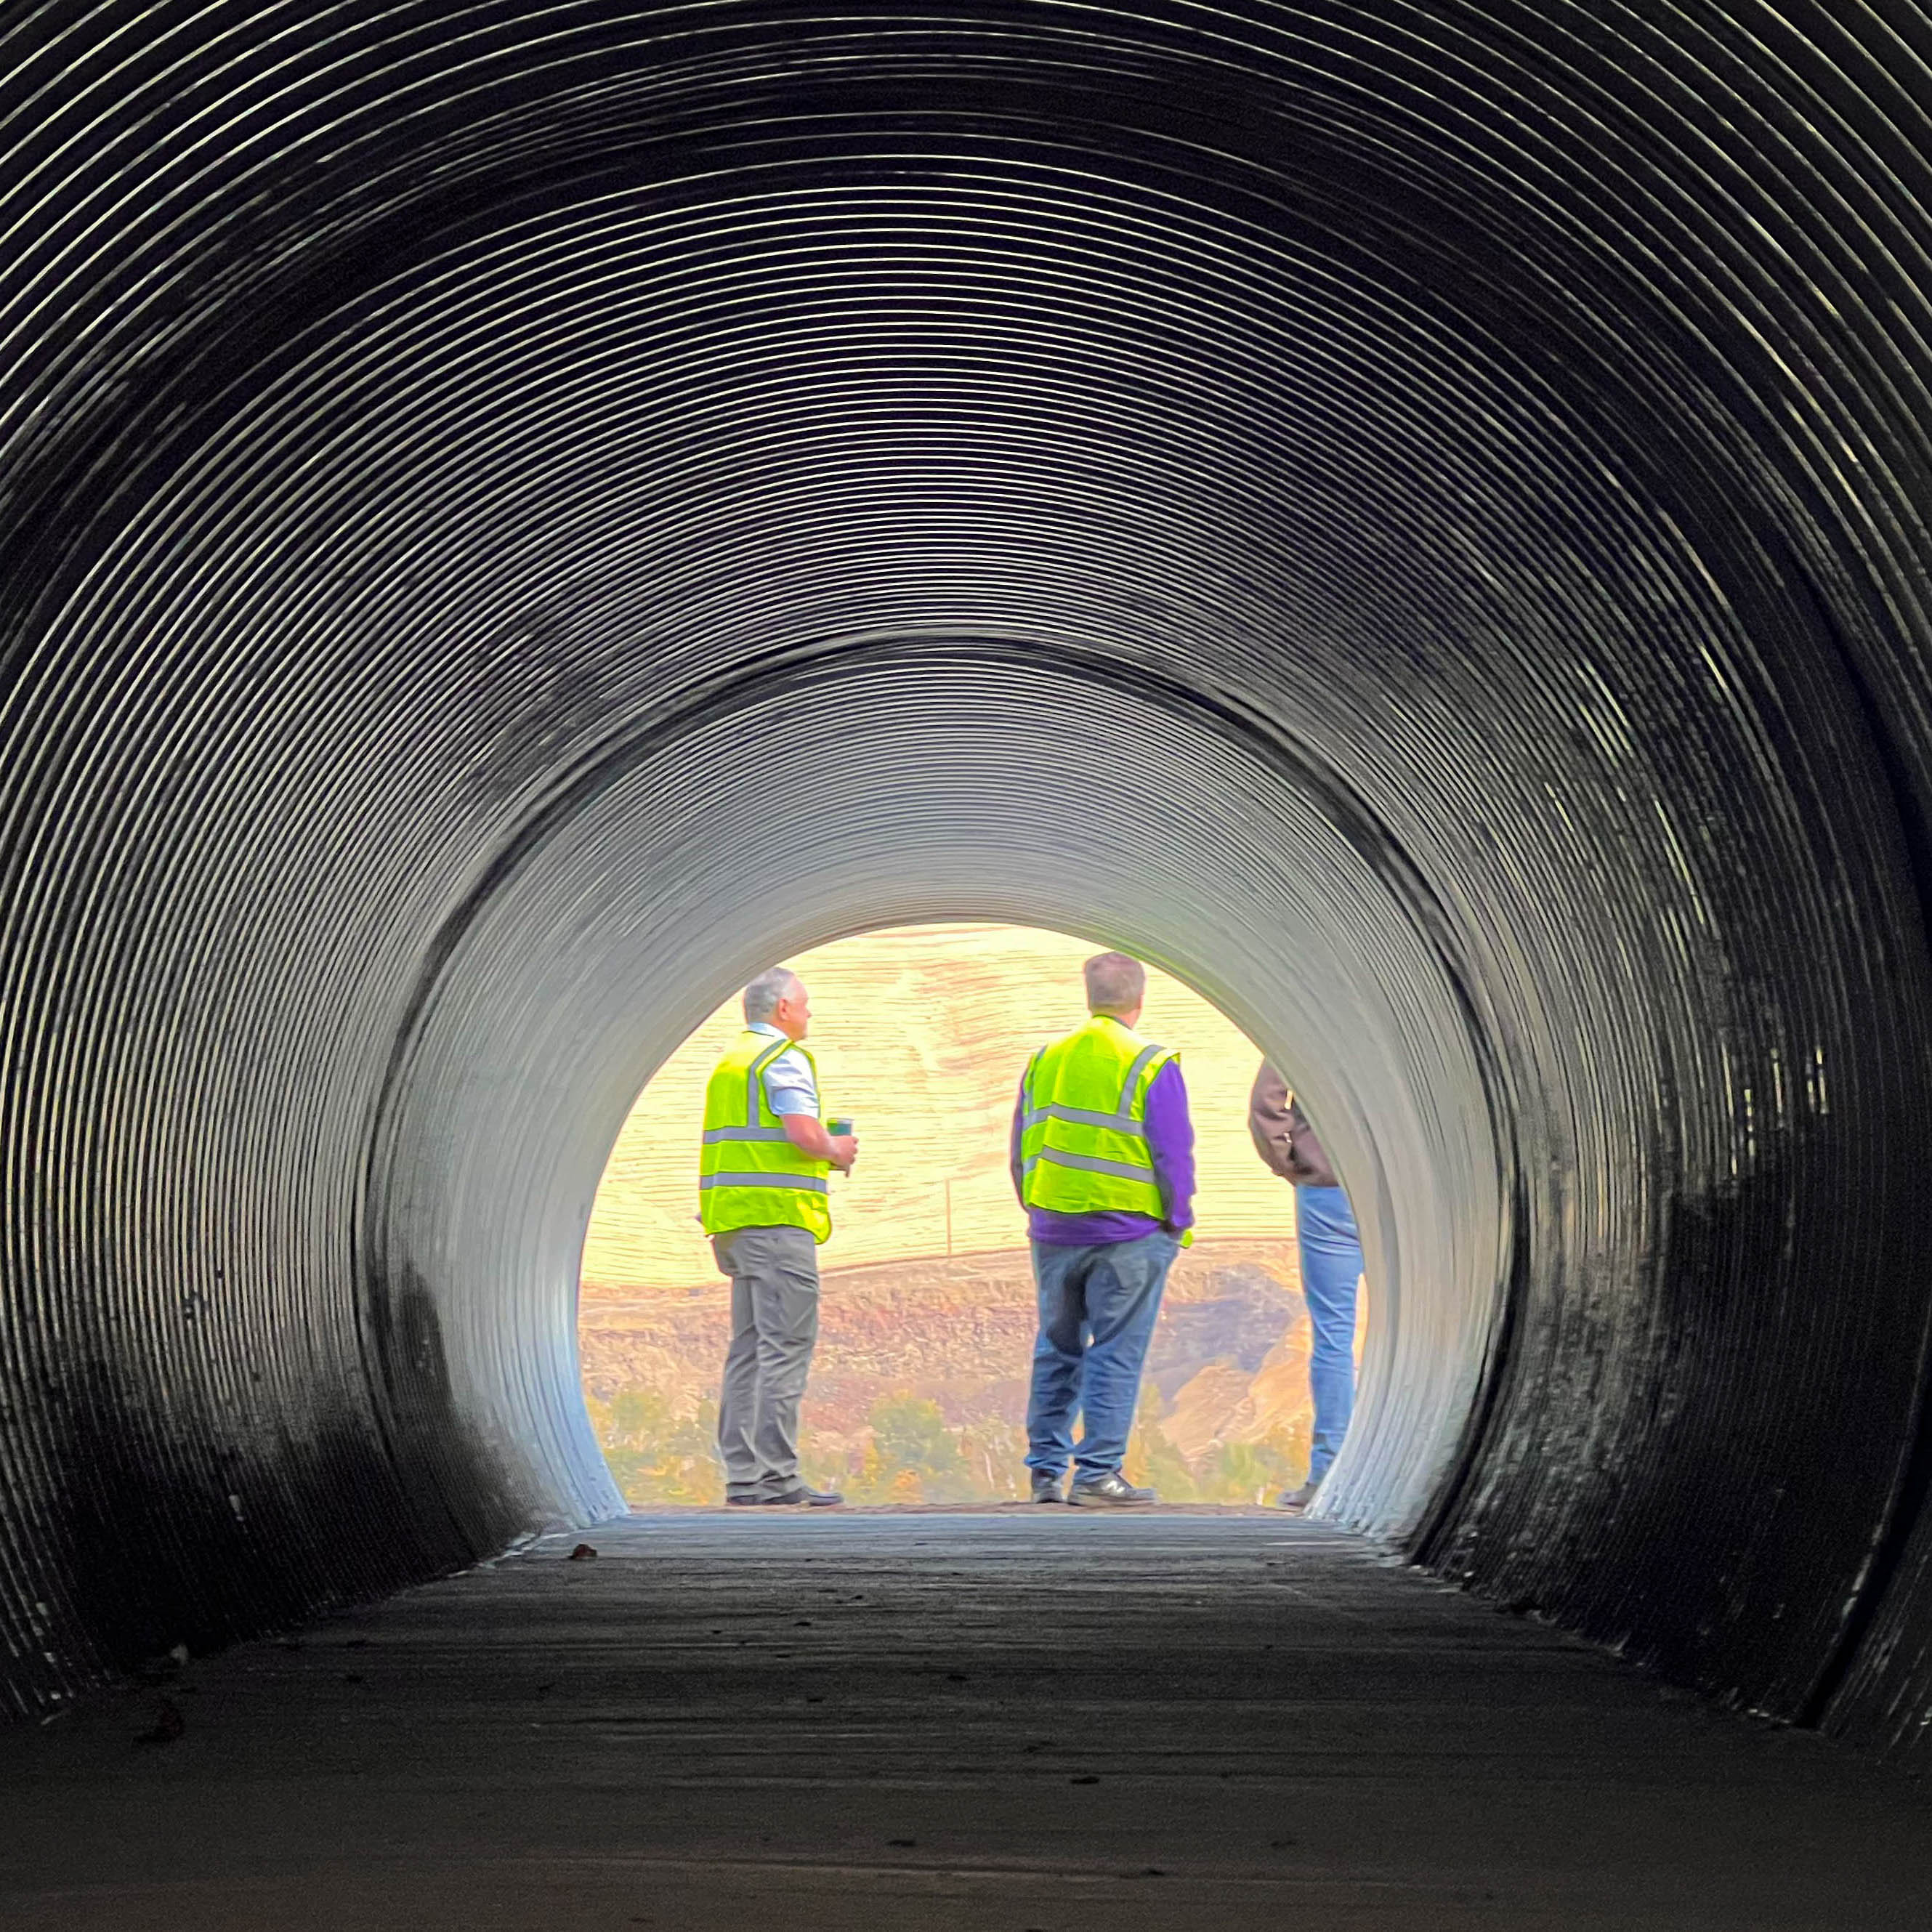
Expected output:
(839, 1127)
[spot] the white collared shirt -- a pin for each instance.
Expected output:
(789, 1086)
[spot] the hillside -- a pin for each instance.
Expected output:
(918, 1388)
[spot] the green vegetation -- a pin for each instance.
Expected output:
(911, 1454)
(655, 1456)
(1232, 1472)
(914, 1456)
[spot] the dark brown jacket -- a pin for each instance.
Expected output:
(1282, 1135)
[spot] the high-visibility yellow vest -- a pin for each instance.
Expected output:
(749, 1174)
(1083, 1123)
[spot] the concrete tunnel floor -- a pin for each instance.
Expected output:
(966, 1722)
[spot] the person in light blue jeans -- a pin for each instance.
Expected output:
(1331, 1266)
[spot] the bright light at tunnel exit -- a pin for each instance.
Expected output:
(920, 1033)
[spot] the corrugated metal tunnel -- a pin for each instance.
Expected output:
(515, 516)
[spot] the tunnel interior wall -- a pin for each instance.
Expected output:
(513, 517)
(902, 763)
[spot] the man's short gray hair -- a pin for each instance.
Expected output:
(1115, 984)
(763, 995)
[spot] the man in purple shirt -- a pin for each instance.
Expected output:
(1102, 1154)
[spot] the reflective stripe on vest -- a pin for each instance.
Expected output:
(1083, 1123)
(750, 1175)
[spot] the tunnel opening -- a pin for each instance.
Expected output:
(924, 833)
(514, 1148)
(918, 1390)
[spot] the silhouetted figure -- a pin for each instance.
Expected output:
(1103, 1162)
(1331, 1266)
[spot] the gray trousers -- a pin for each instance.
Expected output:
(774, 1275)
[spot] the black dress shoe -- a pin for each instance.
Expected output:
(805, 1494)
(1111, 1491)
(1046, 1488)
(735, 1500)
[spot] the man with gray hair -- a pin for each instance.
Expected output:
(1103, 1163)
(763, 1198)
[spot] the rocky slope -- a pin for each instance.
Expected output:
(918, 1387)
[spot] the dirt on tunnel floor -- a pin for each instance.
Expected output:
(1026, 1720)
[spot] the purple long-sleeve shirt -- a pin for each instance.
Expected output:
(1170, 1137)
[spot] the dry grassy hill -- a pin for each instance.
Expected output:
(918, 1388)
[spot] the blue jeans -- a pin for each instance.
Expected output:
(1097, 1306)
(1331, 1265)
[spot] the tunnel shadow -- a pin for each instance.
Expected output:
(177, 1534)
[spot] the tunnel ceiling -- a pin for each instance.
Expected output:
(512, 517)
